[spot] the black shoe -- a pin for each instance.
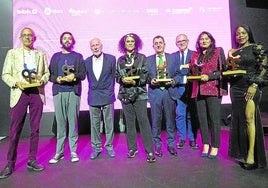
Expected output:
(181, 144)
(150, 158)
(240, 160)
(212, 156)
(172, 151)
(158, 152)
(132, 153)
(7, 171)
(193, 145)
(247, 166)
(33, 166)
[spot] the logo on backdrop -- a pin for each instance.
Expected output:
(27, 11)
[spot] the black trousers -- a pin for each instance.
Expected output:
(138, 110)
(208, 109)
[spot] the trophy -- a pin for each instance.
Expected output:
(132, 72)
(67, 70)
(233, 67)
(195, 72)
(161, 73)
(31, 77)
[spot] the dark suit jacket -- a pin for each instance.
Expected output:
(173, 72)
(183, 72)
(131, 93)
(101, 92)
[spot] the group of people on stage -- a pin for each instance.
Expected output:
(185, 87)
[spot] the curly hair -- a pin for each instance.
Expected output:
(138, 43)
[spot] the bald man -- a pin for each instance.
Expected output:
(101, 69)
(185, 105)
(26, 91)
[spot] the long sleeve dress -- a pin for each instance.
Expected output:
(253, 60)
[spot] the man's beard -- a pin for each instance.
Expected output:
(67, 46)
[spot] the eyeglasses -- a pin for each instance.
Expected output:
(27, 35)
(181, 41)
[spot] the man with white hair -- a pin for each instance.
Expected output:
(101, 69)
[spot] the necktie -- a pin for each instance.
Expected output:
(182, 58)
(161, 64)
(182, 63)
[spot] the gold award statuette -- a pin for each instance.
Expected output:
(31, 77)
(234, 72)
(162, 74)
(193, 77)
(164, 79)
(132, 77)
(196, 73)
(185, 66)
(36, 84)
(232, 64)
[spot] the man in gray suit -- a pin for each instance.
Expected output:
(101, 69)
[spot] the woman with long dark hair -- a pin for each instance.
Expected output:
(208, 91)
(246, 136)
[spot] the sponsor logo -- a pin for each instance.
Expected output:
(27, 11)
(48, 11)
(77, 12)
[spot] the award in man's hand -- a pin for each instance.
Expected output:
(161, 73)
(195, 72)
(67, 70)
(31, 77)
(233, 67)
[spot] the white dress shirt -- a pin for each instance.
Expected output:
(97, 64)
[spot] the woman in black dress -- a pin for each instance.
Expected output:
(246, 136)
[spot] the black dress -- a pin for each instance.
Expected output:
(251, 60)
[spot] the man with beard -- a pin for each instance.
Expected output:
(67, 71)
(20, 60)
(101, 69)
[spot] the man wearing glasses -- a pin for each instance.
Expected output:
(26, 90)
(185, 104)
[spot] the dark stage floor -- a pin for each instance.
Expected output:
(187, 170)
